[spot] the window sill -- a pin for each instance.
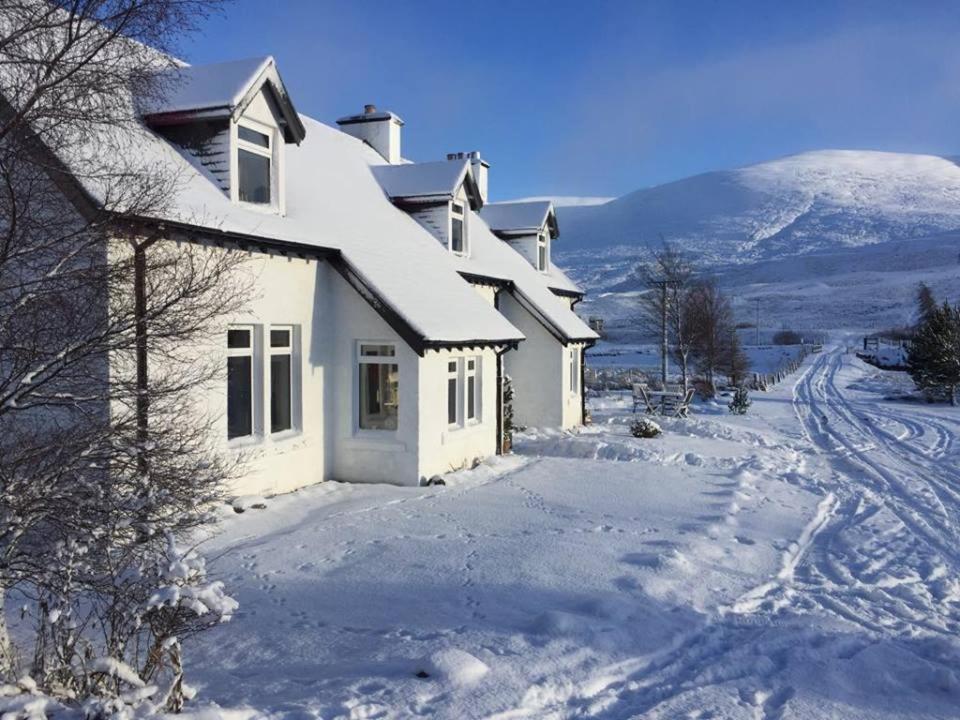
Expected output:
(285, 435)
(465, 432)
(263, 208)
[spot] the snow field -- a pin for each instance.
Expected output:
(797, 562)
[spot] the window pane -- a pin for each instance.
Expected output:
(542, 257)
(279, 338)
(452, 401)
(253, 137)
(379, 396)
(238, 338)
(452, 366)
(471, 397)
(458, 209)
(377, 350)
(456, 237)
(280, 415)
(254, 177)
(239, 396)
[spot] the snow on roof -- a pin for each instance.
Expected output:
(422, 180)
(204, 87)
(220, 89)
(492, 257)
(517, 216)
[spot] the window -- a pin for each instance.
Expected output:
(379, 387)
(542, 253)
(281, 379)
(471, 383)
(456, 228)
(254, 166)
(574, 370)
(453, 392)
(239, 382)
(463, 391)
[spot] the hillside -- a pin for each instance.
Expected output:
(842, 233)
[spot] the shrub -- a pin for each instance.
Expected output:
(740, 402)
(645, 428)
(787, 337)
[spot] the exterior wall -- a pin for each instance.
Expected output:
(487, 292)
(571, 403)
(382, 135)
(366, 455)
(285, 293)
(442, 448)
(536, 369)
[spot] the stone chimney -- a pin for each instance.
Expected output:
(379, 129)
(479, 167)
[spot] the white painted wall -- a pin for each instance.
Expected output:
(383, 135)
(442, 448)
(285, 293)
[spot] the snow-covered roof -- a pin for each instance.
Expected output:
(519, 218)
(426, 182)
(336, 204)
(219, 90)
(491, 257)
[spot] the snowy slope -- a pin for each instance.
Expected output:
(838, 211)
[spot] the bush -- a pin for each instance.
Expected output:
(740, 402)
(645, 428)
(787, 337)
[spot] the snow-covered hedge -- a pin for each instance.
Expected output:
(645, 428)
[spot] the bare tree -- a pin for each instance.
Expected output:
(103, 457)
(715, 347)
(668, 277)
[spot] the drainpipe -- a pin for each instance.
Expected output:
(140, 320)
(500, 354)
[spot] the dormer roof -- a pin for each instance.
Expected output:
(221, 90)
(521, 218)
(430, 182)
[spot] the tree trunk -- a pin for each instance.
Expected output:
(6, 647)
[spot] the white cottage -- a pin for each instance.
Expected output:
(385, 312)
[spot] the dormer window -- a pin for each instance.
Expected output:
(457, 240)
(542, 259)
(255, 163)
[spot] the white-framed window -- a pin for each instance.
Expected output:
(463, 391)
(542, 258)
(240, 381)
(574, 370)
(458, 237)
(453, 393)
(379, 386)
(282, 379)
(471, 394)
(256, 160)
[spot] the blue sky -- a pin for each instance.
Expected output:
(601, 98)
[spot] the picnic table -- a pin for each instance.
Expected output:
(672, 401)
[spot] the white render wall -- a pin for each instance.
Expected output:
(285, 290)
(332, 319)
(443, 449)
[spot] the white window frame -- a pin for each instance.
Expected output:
(291, 349)
(574, 366)
(468, 375)
(374, 360)
(254, 352)
(268, 152)
(463, 373)
(462, 217)
(545, 246)
(454, 374)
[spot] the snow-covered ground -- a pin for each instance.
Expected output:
(797, 562)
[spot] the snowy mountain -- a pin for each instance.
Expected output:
(832, 239)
